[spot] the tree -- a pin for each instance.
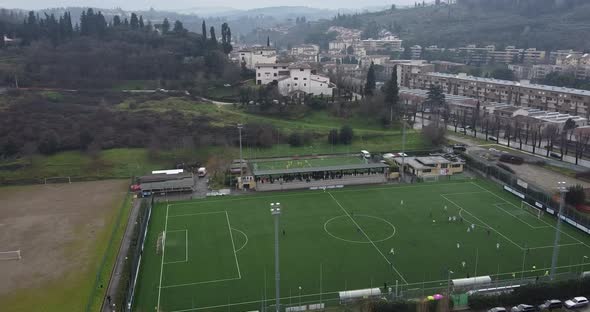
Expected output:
(371, 81)
(434, 134)
(213, 38)
(178, 28)
(575, 195)
(333, 137)
(204, 30)
(141, 24)
(116, 21)
(392, 94)
(134, 21)
(346, 134)
(436, 100)
(503, 74)
(226, 38)
(295, 139)
(165, 26)
(268, 41)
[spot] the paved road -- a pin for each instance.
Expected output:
(107, 306)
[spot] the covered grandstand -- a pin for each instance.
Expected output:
(166, 183)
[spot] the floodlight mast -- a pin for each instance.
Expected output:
(561, 186)
(275, 210)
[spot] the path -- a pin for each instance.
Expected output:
(121, 258)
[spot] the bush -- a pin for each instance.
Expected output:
(346, 134)
(295, 139)
(575, 195)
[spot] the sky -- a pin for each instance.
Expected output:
(185, 4)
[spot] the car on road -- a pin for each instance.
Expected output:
(497, 309)
(551, 304)
(523, 308)
(576, 302)
(555, 155)
(493, 138)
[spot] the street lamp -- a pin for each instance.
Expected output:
(275, 210)
(562, 190)
(300, 296)
(449, 283)
(240, 127)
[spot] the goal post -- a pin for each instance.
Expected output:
(531, 209)
(55, 180)
(10, 255)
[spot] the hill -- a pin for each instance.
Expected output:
(545, 24)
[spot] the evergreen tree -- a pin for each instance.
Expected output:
(141, 24)
(116, 21)
(213, 38)
(149, 26)
(2, 42)
(204, 29)
(179, 28)
(268, 41)
(392, 94)
(226, 38)
(371, 82)
(165, 26)
(126, 22)
(134, 21)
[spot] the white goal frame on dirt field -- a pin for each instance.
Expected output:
(531, 209)
(57, 180)
(10, 255)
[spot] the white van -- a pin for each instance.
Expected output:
(365, 154)
(202, 172)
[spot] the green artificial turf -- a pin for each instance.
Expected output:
(219, 252)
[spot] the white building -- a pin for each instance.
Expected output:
(416, 52)
(292, 78)
(252, 56)
(306, 52)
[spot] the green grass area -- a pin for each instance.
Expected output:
(218, 252)
(307, 163)
(121, 162)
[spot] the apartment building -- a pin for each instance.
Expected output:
(306, 53)
(556, 56)
(523, 93)
(533, 56)
(252, 56)
(416, 52)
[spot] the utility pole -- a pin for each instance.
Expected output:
(562, 190)
(403, 175)
(449, 283)
(240, 127)
(275, 210)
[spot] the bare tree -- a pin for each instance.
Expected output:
(550, 132)
(582, 138)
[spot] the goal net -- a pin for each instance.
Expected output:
(531, 209)
(10, 255)
(160, 243)
(57, 180)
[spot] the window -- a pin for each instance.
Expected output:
(444, 166)
(275, 74)
(304, 78)
(296, 78)
(305, 84)
(258, 74)
(456, 165)
(274, 67)
(301, 69)
(296, 85)
(426, 170)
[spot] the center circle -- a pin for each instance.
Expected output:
(356, 229)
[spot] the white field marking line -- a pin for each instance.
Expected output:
(367, 236)
(186, 245)
(246, 236)
(478, 219)
(550, 225)
(471, 221)
(233, 245)
(464, 193)
(497, 205)
(563, 245)
(203, 282)
(320, 193)
(336, 292)
(162, 264)
(195, 214)
(359, 242)
(255, 301)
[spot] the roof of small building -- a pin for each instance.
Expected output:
(318, 169)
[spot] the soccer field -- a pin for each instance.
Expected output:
(219, 252)
(320, 161)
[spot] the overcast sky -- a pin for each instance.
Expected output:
(184, 4)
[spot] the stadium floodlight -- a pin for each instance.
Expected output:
(561, 186)
(240, 127)
(449, 283)
(275, 210)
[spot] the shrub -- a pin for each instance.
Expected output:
(346, 134)
(575, 195)
(295, 139)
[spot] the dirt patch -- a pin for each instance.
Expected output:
(55, 227)
(544, 178)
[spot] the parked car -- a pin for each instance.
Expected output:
(555, 155)
(551, 304)
(523, 308)
(576, 302)
(497, 309)
(493, 138)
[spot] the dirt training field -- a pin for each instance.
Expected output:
(61, 231)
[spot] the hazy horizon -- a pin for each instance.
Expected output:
(187, 4)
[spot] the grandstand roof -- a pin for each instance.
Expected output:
(317, 169)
